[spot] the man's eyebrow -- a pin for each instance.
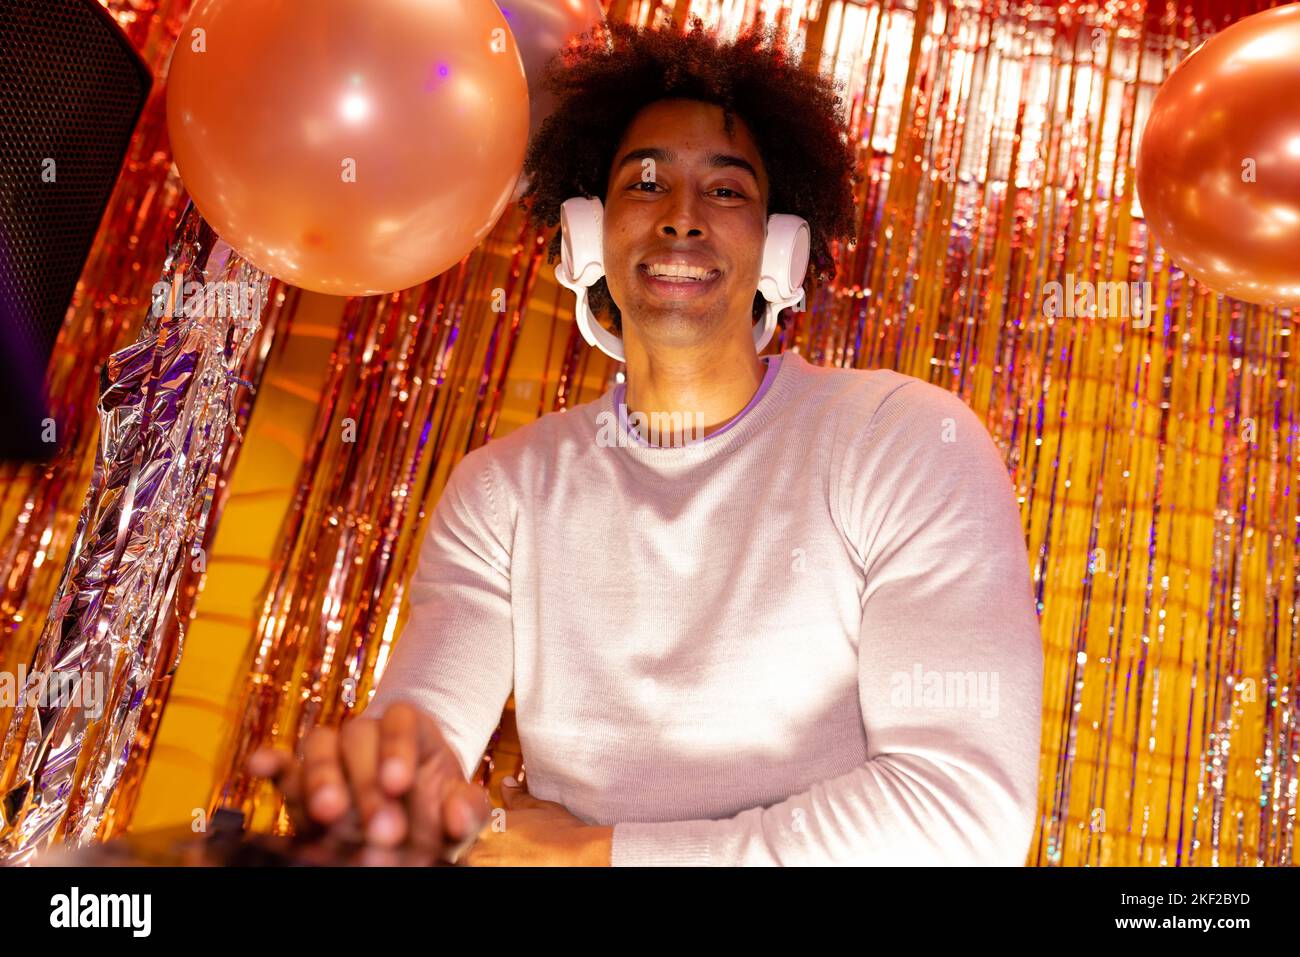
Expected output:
(716, 160)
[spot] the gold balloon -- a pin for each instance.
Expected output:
(349, 147)
(1218, 170)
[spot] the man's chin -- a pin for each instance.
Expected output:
(673, 323)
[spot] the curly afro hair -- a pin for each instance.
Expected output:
(618, 69)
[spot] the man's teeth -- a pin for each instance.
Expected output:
(679, 273)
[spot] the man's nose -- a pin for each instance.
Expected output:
(682, 216)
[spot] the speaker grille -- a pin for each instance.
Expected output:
(71, 91)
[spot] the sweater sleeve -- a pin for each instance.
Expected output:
(455, 657)
(949, 663)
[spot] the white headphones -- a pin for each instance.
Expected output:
(582, 263)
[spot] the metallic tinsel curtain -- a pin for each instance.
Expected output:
(167, 414)
(1151, 456)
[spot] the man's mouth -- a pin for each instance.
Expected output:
(679, 273)
(678, 282)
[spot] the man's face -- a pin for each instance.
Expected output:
(681, 191)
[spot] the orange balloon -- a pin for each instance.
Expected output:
(350, 147)
(1218, 170)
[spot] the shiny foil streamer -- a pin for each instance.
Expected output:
(270, 339)
(165, 409)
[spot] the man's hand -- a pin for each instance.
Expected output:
(539, 834)
(394, 776)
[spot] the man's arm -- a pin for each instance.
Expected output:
(455, 657)
(949, 662)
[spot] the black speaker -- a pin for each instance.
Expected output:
(71, 91)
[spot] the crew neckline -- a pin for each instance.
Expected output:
(772, 364)
(738, 429)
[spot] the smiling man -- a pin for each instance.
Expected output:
(806, 636)
(685, 221)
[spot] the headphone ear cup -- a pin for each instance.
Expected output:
(785, 265)
(582, 263)
(582, 240)
(785, 258)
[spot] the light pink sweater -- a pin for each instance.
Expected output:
(810, 638)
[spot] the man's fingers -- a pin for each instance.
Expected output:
(466, 810)
(395, 777)
(269, 762)
(382, 818)
(325, 790)
(398, 748)
(433, 781)
(283, 768)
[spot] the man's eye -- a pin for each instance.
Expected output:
(735, 194)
